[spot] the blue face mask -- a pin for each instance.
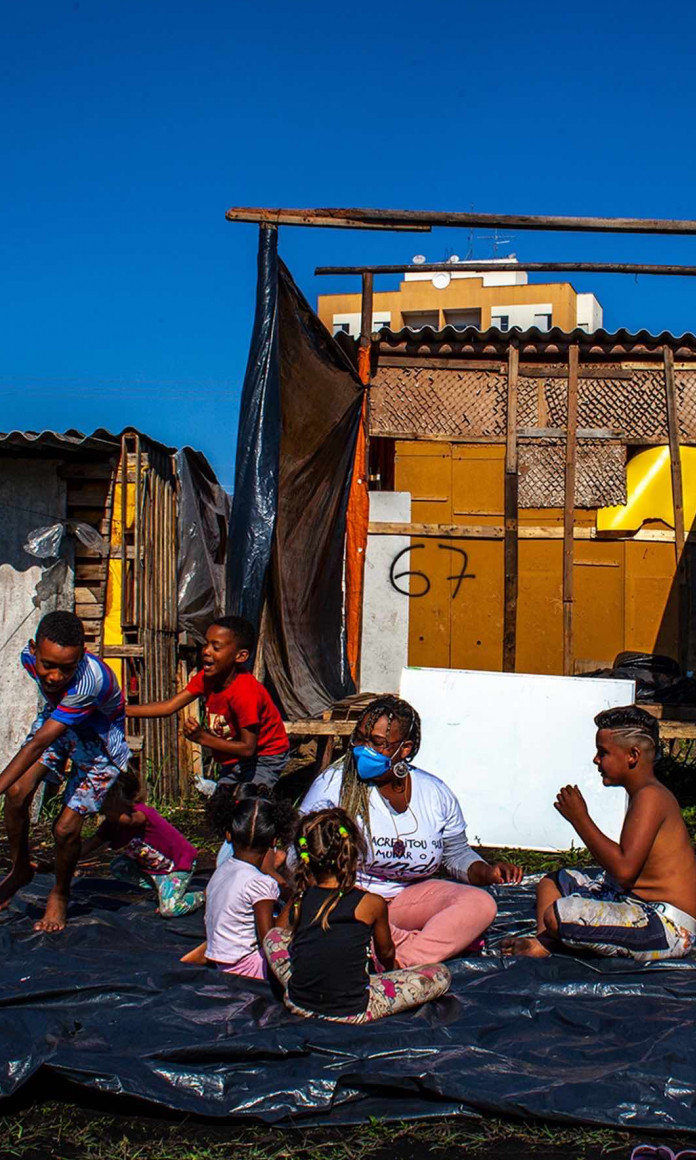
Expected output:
(369, 763)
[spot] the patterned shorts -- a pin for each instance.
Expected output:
(92, 773)
(595, 914)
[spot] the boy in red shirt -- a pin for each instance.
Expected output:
(243, 728)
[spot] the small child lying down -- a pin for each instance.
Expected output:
(643, 904)
(152, 852)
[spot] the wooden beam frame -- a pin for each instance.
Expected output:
(569, 507)
(524, 532)
(511, 516)
(531, 267)
(681, 572)
(394, 219)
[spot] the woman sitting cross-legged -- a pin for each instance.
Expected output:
(413, 825)
(320, 946)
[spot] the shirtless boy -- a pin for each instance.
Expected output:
(643, 905)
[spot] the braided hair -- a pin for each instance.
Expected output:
(252, 816)
(327, 842)
(355, 794)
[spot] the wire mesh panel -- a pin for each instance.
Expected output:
(408, 401)
(600, 474)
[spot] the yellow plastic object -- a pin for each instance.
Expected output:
(112, 619)
(649, 490)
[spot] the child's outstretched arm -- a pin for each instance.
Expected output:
(624, 859)
(32, 752)
(162, 708)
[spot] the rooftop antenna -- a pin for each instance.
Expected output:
(494, 238)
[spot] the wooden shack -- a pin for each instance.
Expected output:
(523, 452)
(125, 589)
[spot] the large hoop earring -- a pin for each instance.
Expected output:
(401, 770)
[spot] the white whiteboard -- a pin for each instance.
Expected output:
(507, 742)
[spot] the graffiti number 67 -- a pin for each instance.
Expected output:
(424, 581)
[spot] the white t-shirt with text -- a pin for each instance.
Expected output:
(407, 847)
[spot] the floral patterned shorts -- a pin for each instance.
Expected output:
(595, 914)
(92, 773)
(387, 994)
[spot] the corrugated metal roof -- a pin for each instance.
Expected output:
(66, 442)
(599, 339)
(71, 442)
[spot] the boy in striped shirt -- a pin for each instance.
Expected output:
(82, 721)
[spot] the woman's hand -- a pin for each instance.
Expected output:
(495, 874)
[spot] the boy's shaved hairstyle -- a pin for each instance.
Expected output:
(63, 628)
(242, 630)
(630, 723)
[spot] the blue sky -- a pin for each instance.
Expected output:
(128, 129)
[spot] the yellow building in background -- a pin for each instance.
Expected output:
(466, 297)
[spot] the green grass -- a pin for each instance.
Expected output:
(58, 1131)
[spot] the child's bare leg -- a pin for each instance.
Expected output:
(18, 801)
(540, 945)
(67, 831)
(546, 894)
(197, 956)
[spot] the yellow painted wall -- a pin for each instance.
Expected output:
(461, 294)
(624, 595)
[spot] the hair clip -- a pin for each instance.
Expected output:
(343, 831)
(304, 856)
(302, 842)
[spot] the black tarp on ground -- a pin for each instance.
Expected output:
(108, 1006)
(298, 426)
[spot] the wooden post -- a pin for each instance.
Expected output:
(511, 516)
(569, 507)
(681, 574)
(259, 659)
(358, 500)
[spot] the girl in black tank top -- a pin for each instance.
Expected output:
(319, 948)
(330, 966)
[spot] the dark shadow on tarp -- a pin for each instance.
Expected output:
(299, 420)
(108, 1007)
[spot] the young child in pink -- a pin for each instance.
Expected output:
(153, 854)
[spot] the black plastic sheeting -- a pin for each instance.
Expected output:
(659, 679)
(204, 512)
(258, 447)
(108, 1006)
(298, 427)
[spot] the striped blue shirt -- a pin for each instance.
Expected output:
(91, 706)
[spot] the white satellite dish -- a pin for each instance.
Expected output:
(442, 280)
(454, 258)
(418, 259)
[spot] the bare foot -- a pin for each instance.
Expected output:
(55, 917)
(529, 947)
(15, 880)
